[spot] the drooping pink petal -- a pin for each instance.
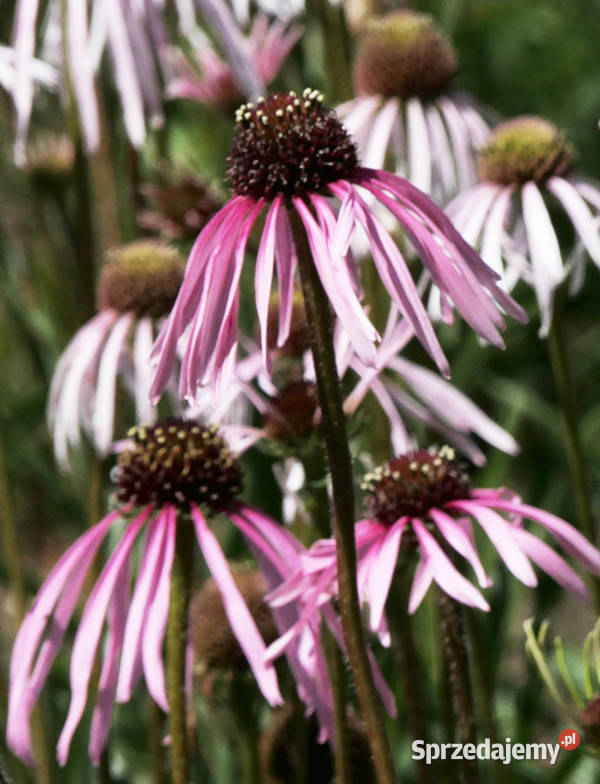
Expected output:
(24, 42)
(145, 586)
(104, 406)
(90, 628)
(212, 324)
(420, 585)
(117, 613)
(570, 539)
(80, 71)
(164, 351)
(544, 251)
(158, 611)
(381, 575)
(450, 404)
(582, 219)
(287, 261)
(439, 224)
(456, 537)
(125, 73)
(551, 563)
(380, 133)
(444, 572)
(396, 277)
(263, 279)
(419, 158)
(338, 288)
(142, 346)
(237, 612)
(63, 585)
(501, 536)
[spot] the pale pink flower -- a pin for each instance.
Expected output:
(137, 286)
(290, 150)
(422, 501)
(211, 80)
(525, 172)
(406, 113)
(166, 474)
(403, 389)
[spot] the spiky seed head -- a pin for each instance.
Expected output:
(178, 462)
(404, 54)
(142, 277)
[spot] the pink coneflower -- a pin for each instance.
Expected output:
(177, 473)
(288, 154)
(404, 390)
(524, 169)
(212, 81)
(423, 501)
(406, 109)
(137, 287)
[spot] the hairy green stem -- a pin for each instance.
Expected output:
(177, 635)
(336, 42)
(563, 382)
(340, 466)
(457, 658)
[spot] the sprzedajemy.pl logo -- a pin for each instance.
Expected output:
(486, 750)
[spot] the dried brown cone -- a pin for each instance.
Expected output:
(214, 643)
(178, 209)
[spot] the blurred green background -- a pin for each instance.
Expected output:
(517, 57)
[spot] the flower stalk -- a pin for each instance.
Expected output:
(457, 661)
(340, 466)
(563, 382)
(177, 634)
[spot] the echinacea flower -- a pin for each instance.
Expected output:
(406, 108)
(423, 502)
(137, 287)
(524, 168)
(288, 154)
(174, 474)
(211, 79)
(404, 390)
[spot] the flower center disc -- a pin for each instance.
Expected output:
(292, 413)
(178, 462)
(526, 148)
(143, 277)
(404, 54)
(414, 483)
(290, 145)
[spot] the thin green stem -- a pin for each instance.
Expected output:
(563, 382)
(457, 658)
(336, 42)
(340, 466)
(177, 634)
(243, 707)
